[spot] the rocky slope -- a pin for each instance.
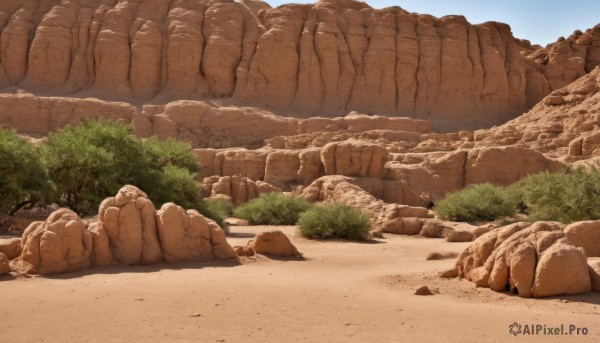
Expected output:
(565, 124)
(327, 58)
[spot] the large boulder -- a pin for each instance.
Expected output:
(561, 269)
(61, 244)
(130, 223)
(533, 261)
(4, 265)
(585, 234)
(189, 236)
(274, 243)
(594, 269)
(11, 247)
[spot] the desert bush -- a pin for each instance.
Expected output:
(273, 209)
(170, 152)
(476, 202)
(222, 207)
(334, 221)
(23, 179)
(92, 161)
(563, 197)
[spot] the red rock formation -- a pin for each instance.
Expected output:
(327, 58)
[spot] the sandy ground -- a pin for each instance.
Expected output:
(342, 292)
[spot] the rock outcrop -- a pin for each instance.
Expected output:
(239, 189)
(585, 235)
(10, 247)
(564, 124)
(129, 232)
(188, 236)
(330, 58)
(531, 260)
(130, 223)
(61, 244)
(342, 189)
(439, 174)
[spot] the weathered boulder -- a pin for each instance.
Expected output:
(459, 236)
(189, 236)
(61, 244)
(274, 243)
(11, 247)
(130, 223)
(533, 261)
(102, 255)
(403, 226)
(4, 265)
(561, 269)
(594, 269)
(585, 234)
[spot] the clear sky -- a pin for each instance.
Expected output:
(540, 21)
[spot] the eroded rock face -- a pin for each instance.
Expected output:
(585, 235)
(534, 261)
(61, 244)
(440, 174)
(330, 57)
(188, 236)
(354, 158)
(129, 221)
(564, 124)
(239, 189)
(11, 247)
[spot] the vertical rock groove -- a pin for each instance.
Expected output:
(326, 59)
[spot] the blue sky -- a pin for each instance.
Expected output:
(540, 21)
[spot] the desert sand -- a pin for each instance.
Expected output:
(341, 292)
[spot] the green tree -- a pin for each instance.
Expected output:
(23, 179)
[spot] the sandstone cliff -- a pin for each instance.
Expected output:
(327, 58)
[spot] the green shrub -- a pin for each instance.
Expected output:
(273, 209)
(563, 197)
(94, 160)
(476, 202)
(23, 178)
(221, 207)
(336, 221)
(170, 152)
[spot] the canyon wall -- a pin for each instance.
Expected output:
(325, 59)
